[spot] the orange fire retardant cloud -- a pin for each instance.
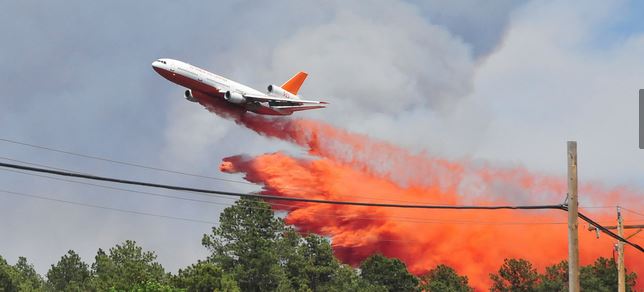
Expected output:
(348, 166)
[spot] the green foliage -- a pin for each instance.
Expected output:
(345, 278)
(262, 254)
(246, 243)
(29, 280)
(444, 278)
(204, 276)
(252, 250)
(308, 262)
(155, 287)
(9, 277)
(518, 275)
(69, 274)
(20, 277)
(555, 278)
(599, 276)
(389, 273)
(515, 275)
(124, 267)
(602, 276)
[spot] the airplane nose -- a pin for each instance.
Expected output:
(155, 64)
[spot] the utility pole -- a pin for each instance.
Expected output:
(621, 281)
(621, 267)
(573, 234)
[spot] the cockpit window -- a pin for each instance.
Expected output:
(161, 61)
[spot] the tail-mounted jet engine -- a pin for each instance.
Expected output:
(275, 90)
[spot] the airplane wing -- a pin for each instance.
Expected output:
(291, 109)
(266, 98)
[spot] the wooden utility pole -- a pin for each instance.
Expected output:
(621, 280)
(621, 267)
(573, 239)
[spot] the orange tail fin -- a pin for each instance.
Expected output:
(293, 84)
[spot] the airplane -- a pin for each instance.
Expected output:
(204, 86)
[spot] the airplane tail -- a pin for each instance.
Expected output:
(293, 84)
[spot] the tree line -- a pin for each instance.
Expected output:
(253, 250)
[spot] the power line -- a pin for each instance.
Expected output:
(138, 165)
(597, 207)
(632, 211)
(148, 214)
(151, 214)
(37, 164)
(68, 170)
(404, 219)
(372, 218)
(21, 194)
(132, 164)
(273, 197)
(105, 207)
(122, 162)
(333, 202)
(605, 230)
(219, 196)
(122, 189)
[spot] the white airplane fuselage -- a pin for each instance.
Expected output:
(204, 85)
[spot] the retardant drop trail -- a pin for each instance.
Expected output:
(347, 166)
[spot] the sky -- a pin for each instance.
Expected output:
(501, 82)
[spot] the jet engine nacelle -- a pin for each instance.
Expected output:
(189, 96)
(275, 90)
(234, 97)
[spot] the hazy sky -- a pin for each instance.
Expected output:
(505, 82)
